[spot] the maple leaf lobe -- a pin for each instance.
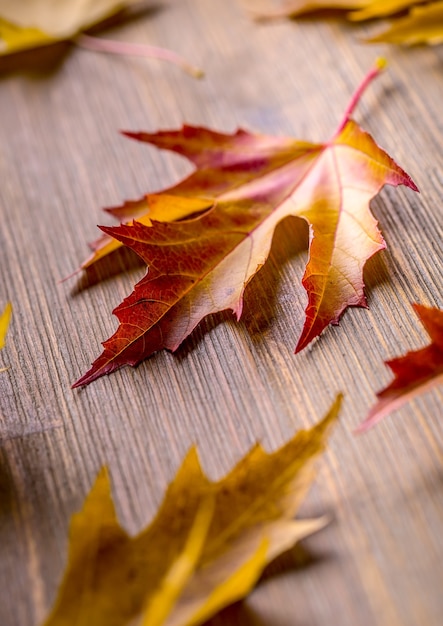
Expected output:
(344, 234)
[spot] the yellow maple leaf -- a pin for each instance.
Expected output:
(32, 23)
(205, 548)
(424, 24)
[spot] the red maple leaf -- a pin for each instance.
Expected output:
(248, 184)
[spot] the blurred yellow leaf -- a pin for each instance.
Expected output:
(422, 25)
(14, 38)
(205, 548)
(293, 8)
(382, 8)
(32, 23)
(361, 9)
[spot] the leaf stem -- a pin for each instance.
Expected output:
(97, 44)
(379, 66)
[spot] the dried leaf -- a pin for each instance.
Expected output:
(32, 23)
(415, 373)
(205, 548)
(422, 25)
(202, 265)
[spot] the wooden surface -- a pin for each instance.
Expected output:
(381, 559)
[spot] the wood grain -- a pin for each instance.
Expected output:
(61, 159)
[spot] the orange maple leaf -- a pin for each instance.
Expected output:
(248, 184)
(415, 373)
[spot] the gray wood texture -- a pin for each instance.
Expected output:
(380, 561)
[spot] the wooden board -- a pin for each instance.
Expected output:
(381, 559)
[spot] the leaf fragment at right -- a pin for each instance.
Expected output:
(5, 319)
